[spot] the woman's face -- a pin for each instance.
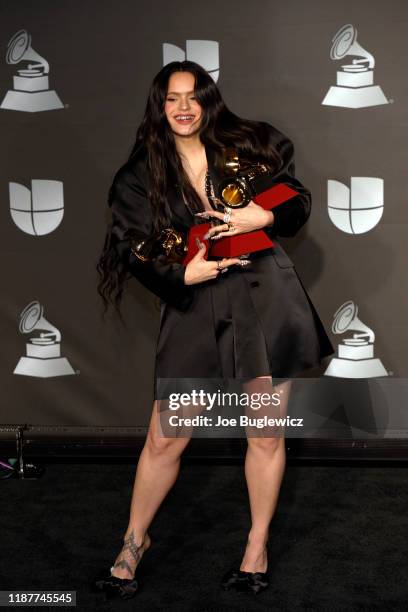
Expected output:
(182, 110)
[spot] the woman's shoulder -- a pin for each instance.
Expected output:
(273, 135)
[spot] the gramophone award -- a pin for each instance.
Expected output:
(31, 91)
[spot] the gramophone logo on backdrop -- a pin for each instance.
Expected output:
(31, 91)
(355, 355)
(203, 52)
(37, 211)
(355, 81)
(43, 350)
(358, 209)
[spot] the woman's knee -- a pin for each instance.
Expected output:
(268, 446)
(165, 446)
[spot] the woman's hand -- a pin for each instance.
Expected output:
(247, 219)
(199, 269)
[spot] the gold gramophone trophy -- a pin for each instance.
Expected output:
(241, 184)
(168, 242)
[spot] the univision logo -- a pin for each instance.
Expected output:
(37, 211)
(203, 52)
(357, 209)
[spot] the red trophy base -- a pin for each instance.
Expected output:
(233, 246)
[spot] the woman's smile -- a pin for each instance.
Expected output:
(184, 119)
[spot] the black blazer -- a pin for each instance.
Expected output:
(131, 210)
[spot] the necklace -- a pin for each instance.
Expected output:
(209, 190)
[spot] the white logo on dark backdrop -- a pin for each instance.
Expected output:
(355, 81)
(357, 209)
(43, 350)
(31, 91)
(37, 211)
(203, 52)
(355, 355)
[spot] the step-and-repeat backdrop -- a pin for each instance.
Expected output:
(74, 77)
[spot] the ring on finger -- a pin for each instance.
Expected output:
(231, 227)
(227, 216)
(222, 270)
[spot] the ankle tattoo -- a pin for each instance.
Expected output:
(130, 552)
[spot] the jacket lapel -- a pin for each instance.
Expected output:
(182, 214)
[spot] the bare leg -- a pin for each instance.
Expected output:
(264, 468)
(156, 472)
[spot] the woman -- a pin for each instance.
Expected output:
(249, 316)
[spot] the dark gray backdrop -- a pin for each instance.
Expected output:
(274, 66)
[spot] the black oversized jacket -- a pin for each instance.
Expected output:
(131, 209)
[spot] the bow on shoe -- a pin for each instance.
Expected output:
(112, 586)
(256, 582)
(232, 577)
(250, 582)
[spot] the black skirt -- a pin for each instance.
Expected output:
(250, 321)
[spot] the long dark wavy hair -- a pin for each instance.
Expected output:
(219, 128)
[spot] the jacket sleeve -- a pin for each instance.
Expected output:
(293, 214)
(131, 210)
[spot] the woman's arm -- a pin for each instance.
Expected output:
(290, 216)
(283, 220)
(131, 210)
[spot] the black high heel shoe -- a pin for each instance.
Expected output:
(249, 582)
(113, 586)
